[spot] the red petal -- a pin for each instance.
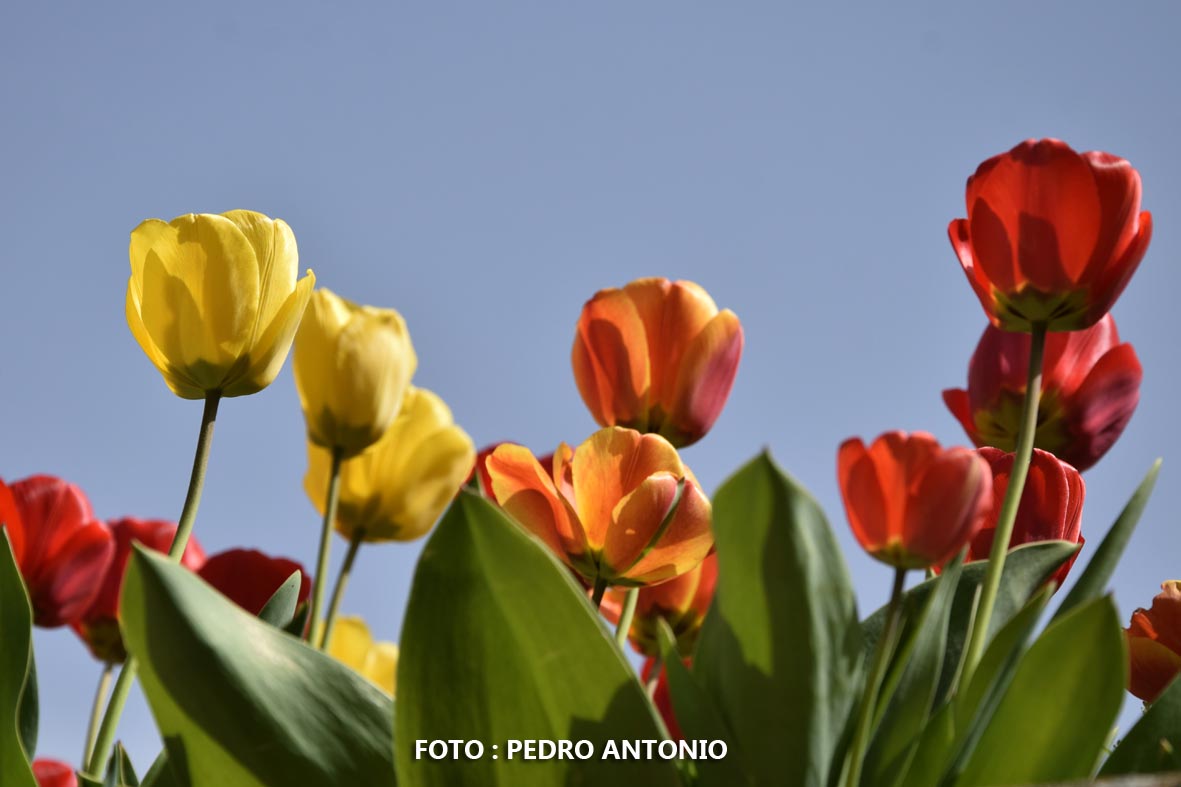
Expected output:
(1102, 405)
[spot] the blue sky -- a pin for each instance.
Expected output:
(484, 168)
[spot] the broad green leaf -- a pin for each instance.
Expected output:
(1154, 743)
(1092, 583)
(698, 718)
(238, 702)
(279, 610)
(30, 708)
(16, 658)
(1058, 709)
(780, 650)
(500, 644)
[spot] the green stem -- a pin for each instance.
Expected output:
(101, 752)
(96, 710)
(342, 579)
(625, 617)
(881, 658)
(600, 589)
(1008, 513)
(325, 544)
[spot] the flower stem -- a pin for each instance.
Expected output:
(1008, 513)
(325, 544)
(101, 751)
(600, 589)
(342, 579)
(96, 710)
(625, 618)
(881, 658)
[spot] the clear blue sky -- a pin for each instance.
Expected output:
(485, 167)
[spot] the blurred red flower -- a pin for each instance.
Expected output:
(249, 578)
(1154, 643)
(54, 773)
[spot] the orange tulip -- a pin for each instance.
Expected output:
(1154, 643)
(911, 503)
(681, 602)
(656, 356)
(1052, 236)
(620, 509)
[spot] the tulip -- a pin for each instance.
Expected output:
(1154, 644)
(662, 697)
(352, 367)
(54, 773)
(681, 602)
(351, 644)
(1090, 388)
(1052, 236)
(620, 509)
(911, 503)
(1051, 507)
(656, 356)
(99, 626)
(63, 552)
(249, 578)
(481, 469)
(397, 489)
(213, 300)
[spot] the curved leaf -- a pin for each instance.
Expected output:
(1154, 743)
(16, 658)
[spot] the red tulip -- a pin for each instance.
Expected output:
(1090, 388)
(249, 578)
(1051, 506)
(99, 626)
(911, 503)
(481, 467)
(61, 549)
(682, 602)
(1052, 236)
(1154, 644)
(656, 356)
(54, 773)
(662, 697)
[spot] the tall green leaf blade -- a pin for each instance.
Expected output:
(1154, 742)
(780, 650)
(16, 657)
(500, 643)
(238, 702)
(1092, 583)
(1058, 710)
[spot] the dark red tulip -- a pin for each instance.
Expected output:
(1090, 388)
(99, 626)
(249, 578)
(1052, 236)
(54, 773)
(61, 549)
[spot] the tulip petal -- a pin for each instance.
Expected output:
(527, 493)
(610, 359)
(1110, 285)
(381, 667)
(10, 520)
(956, 400)
(706, 376)
(1103, 405)
(955, 492)
(1153, 667)
(1119, 188)
(636, 523)
(673, 314)
(684, 544)
(267, 356)
(958, 231)
(863, 495)
(278, 262)
(66, 587)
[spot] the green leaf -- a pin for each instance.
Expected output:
(279, 610)
(1153, 745)
(780, 649)
(16, 658)
(698, 717)
(30, 708)
(500, 643)
(1058, 710)
(120, 772)
(160, 774)
(1093, 581)
(240, 703)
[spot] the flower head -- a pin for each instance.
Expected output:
(249, 578)
(54, 773)
(351, 644)
(681, 602)
(1154, 643)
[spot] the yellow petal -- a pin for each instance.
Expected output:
(176, 382)
(382, 666)
(350, 642)
(267, 356)
(278, 261)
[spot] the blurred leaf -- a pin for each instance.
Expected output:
(279, 610)
(1093, 581)
(160, 774)
(16, 658)
(698, 718)
(30, 708)
(1058, 710)
(120, 772)
(499, 642)
(779, 653)
(229, 692)
(1154, 743)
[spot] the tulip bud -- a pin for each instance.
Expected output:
(621, 509)
(352, 367)
(62, 551)
(398, 487)
(1090, 388)
(99, 626)
(681, 602)
(53, 773)
(911, 503)
(249, 578)
(656, 356)
(1154, 644)
(213, 300)
(351, 644)
(1052, 236)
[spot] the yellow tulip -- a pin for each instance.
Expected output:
(352, 645)
(213, 300)
(352, 367)
(398, 487)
